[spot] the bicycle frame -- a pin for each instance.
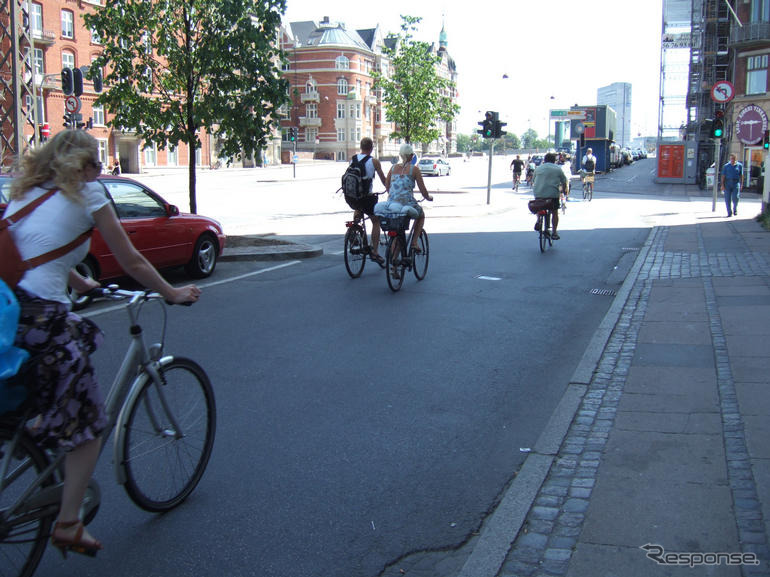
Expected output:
(138, 366)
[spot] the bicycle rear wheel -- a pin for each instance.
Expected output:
(23, 536)
(394, 263)
(162, 466)
(420, 259)
(355, 251)
(544, 236)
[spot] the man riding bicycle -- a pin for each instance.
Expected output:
(517, 165)
(366, 204)
(549, 182)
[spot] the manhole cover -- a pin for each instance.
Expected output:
(603, 292)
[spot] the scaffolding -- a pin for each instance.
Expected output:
(18, 97)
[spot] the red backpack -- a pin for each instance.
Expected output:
(12, 266)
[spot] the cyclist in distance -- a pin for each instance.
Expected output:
(549, 182)
(516, 165)
(400, 184)
(68, 403)
(366, 204)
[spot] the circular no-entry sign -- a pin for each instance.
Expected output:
(72, 104)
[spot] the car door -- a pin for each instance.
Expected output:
(145, 218)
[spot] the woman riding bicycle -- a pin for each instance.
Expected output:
(66, 398)
(400, 184)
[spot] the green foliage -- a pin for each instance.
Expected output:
(174, 66)
(415, 96)
(764, 218)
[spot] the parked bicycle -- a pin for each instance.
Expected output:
(357, 247)
(401, 254)
(163, 412)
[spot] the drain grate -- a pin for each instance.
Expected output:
(603, 292)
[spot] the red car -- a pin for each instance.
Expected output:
(165, 236)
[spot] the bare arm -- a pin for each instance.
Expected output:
(134, 263)
(421, 185)
(387, 180)
(378, 170)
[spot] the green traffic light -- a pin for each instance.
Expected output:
(718, 133)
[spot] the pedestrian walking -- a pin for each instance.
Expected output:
(732, 172)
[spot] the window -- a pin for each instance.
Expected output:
(102, 146)
(311, 134)
(131, 201)
(756, 74)
(342, 63)
(95, 37)
(67, 60)
(98, 115)
(67, 24)
(310, 87)
(147, 41)
(35, 12)
(342, 86)
(340, 135)
(311, 110)
(151, 155)
(340, 110)
(172, 157)
(352, 135)
(37, 60)
(760, 10)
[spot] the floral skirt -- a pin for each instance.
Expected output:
(63, 388)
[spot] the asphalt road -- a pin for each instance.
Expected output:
(355, 425)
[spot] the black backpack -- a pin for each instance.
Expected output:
(590, 165)
(355, 185)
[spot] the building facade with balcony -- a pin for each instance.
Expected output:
(334, 101)
(746, 115)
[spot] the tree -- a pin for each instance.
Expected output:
(415, 95)
(176, 66)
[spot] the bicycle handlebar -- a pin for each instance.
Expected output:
(114, 292)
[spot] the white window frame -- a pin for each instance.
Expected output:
(342, 62)
(311, 134)
(102, 146)
(342, 86)
(151, 155)
(340, 110)
(67, 59)
(756, 74)
(172, 156)
(340, 135)
(311, 110)
(35, 14)
(68, 24)
(97, 111)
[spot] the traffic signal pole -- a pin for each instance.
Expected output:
(717, 168)
(489, 173)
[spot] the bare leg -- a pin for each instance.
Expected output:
(418, 224)
(375, 235)
(554, 220)
(79, 465)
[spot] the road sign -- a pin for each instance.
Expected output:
(295, 158)
(72, 104)
(723, 91)
(576, 114)
(563, 114)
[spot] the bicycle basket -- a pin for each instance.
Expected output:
(395, 222)
(539, 204)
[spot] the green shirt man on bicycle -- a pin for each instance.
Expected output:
(549, 182)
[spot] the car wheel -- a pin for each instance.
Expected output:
(87, 268)
(204, 258)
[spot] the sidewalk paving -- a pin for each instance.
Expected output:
(666, 447)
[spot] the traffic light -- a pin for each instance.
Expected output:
(718, 125)
(292, 134)
(77, 81)
(499, 132)
(96, 75)
(67, 120)
(766, 140)
(488, 125)
(66, 81)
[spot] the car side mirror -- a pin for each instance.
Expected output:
(173, 210)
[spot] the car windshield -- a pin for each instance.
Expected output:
(427, 161)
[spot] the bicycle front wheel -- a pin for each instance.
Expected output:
(168, 436)
(355, 251)
(544, 235)
(395, 267)
(420, 258)
(24, 534)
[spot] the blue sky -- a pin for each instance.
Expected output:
(552, 48)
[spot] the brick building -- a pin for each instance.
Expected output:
(334, 103)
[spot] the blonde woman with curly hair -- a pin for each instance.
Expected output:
(68, 402)
(400, 183)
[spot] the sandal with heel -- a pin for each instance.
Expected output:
(76, 544)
